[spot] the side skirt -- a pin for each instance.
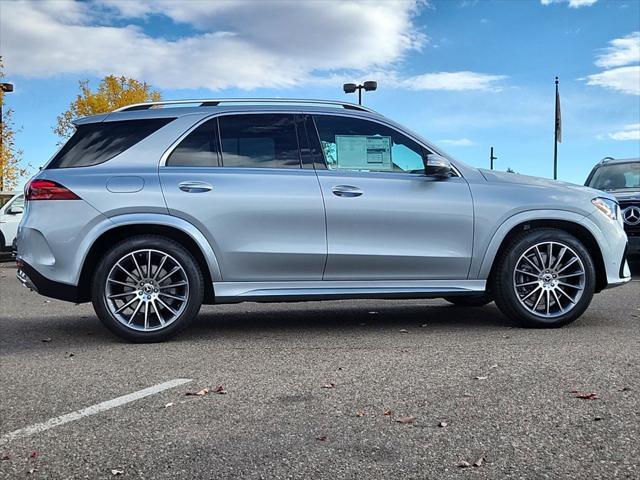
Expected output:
(236, 292)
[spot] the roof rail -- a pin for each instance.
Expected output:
(606, 159)
(214, 102)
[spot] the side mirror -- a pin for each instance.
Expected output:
(17, 210)
(437, 166)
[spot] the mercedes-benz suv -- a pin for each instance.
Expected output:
(621, 178)
(156, 208)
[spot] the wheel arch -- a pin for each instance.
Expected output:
(187, 235)
(575, 226)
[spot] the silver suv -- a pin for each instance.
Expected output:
(156, 208)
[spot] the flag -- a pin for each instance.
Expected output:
(558, 115)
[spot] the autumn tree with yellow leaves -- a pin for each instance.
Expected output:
(11, 169)
(113, 92)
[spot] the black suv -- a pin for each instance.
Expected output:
(621, 177)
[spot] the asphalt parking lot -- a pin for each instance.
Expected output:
(350, 389)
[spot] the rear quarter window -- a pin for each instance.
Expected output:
(95, 143)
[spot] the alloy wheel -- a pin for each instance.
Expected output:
(147, 290)
(549, 279)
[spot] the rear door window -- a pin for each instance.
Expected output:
(259, 141)
(95, 143)
(198, 149)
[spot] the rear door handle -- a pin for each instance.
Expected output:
(346, 191)
(194, 187)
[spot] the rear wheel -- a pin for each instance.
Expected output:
(147, 288)
(545, 278)
(470, 300)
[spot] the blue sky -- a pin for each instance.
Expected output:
(465, 74)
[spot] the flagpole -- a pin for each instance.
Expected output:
(555, 139)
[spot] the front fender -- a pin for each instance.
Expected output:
(481, 266)
(153, 219)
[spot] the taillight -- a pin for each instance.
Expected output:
(47, 190)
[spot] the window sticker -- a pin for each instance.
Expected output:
(363, 152)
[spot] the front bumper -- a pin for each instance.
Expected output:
(634, 246)
(31, 279)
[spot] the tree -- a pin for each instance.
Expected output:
(113, 92)
(11, 169)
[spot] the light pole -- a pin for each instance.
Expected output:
(369, 86)
(6, 88)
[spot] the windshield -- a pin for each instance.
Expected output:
(616, 176)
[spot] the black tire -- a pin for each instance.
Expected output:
(470, 300)
(162, 244)
(502, 280)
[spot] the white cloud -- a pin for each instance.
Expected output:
(623, 51)
(238, 44)
(572, 3)
(460, 142)
(622, 79)
(619, 75)
(463, 80)
(246, 45)
(628, 132)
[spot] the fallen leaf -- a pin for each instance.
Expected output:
(170, 404)
(405, 420)
(47, 301)
(115, 471)
(463, 464)
(360, 413)
(597, 419)
(478, 462)
(443, 424)
(32, 470)
(387, 412)
(69, 354)
(6, 456)
(321, 438)
(46, 340)
(467, 395)
(220, 390)
(424, 325)
(33, 455)
(587, 396)
(481, 378)
(329, 385)
(625, 389)
(493, 366)
(403, 330)
(199, 393)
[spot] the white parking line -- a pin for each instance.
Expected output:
(92, 410)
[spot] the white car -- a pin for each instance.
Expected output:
(10, 216)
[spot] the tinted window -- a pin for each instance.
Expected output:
(259, 141)
(96, 143)
(616, 176)
(356, 144)
(198, 149)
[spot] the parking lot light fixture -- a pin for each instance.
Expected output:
(368, 86)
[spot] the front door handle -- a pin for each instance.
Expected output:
(346, 191)
(194, 187)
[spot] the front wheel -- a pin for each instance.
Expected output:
(545, 278)
(147, 288)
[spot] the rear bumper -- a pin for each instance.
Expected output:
(33, 280)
